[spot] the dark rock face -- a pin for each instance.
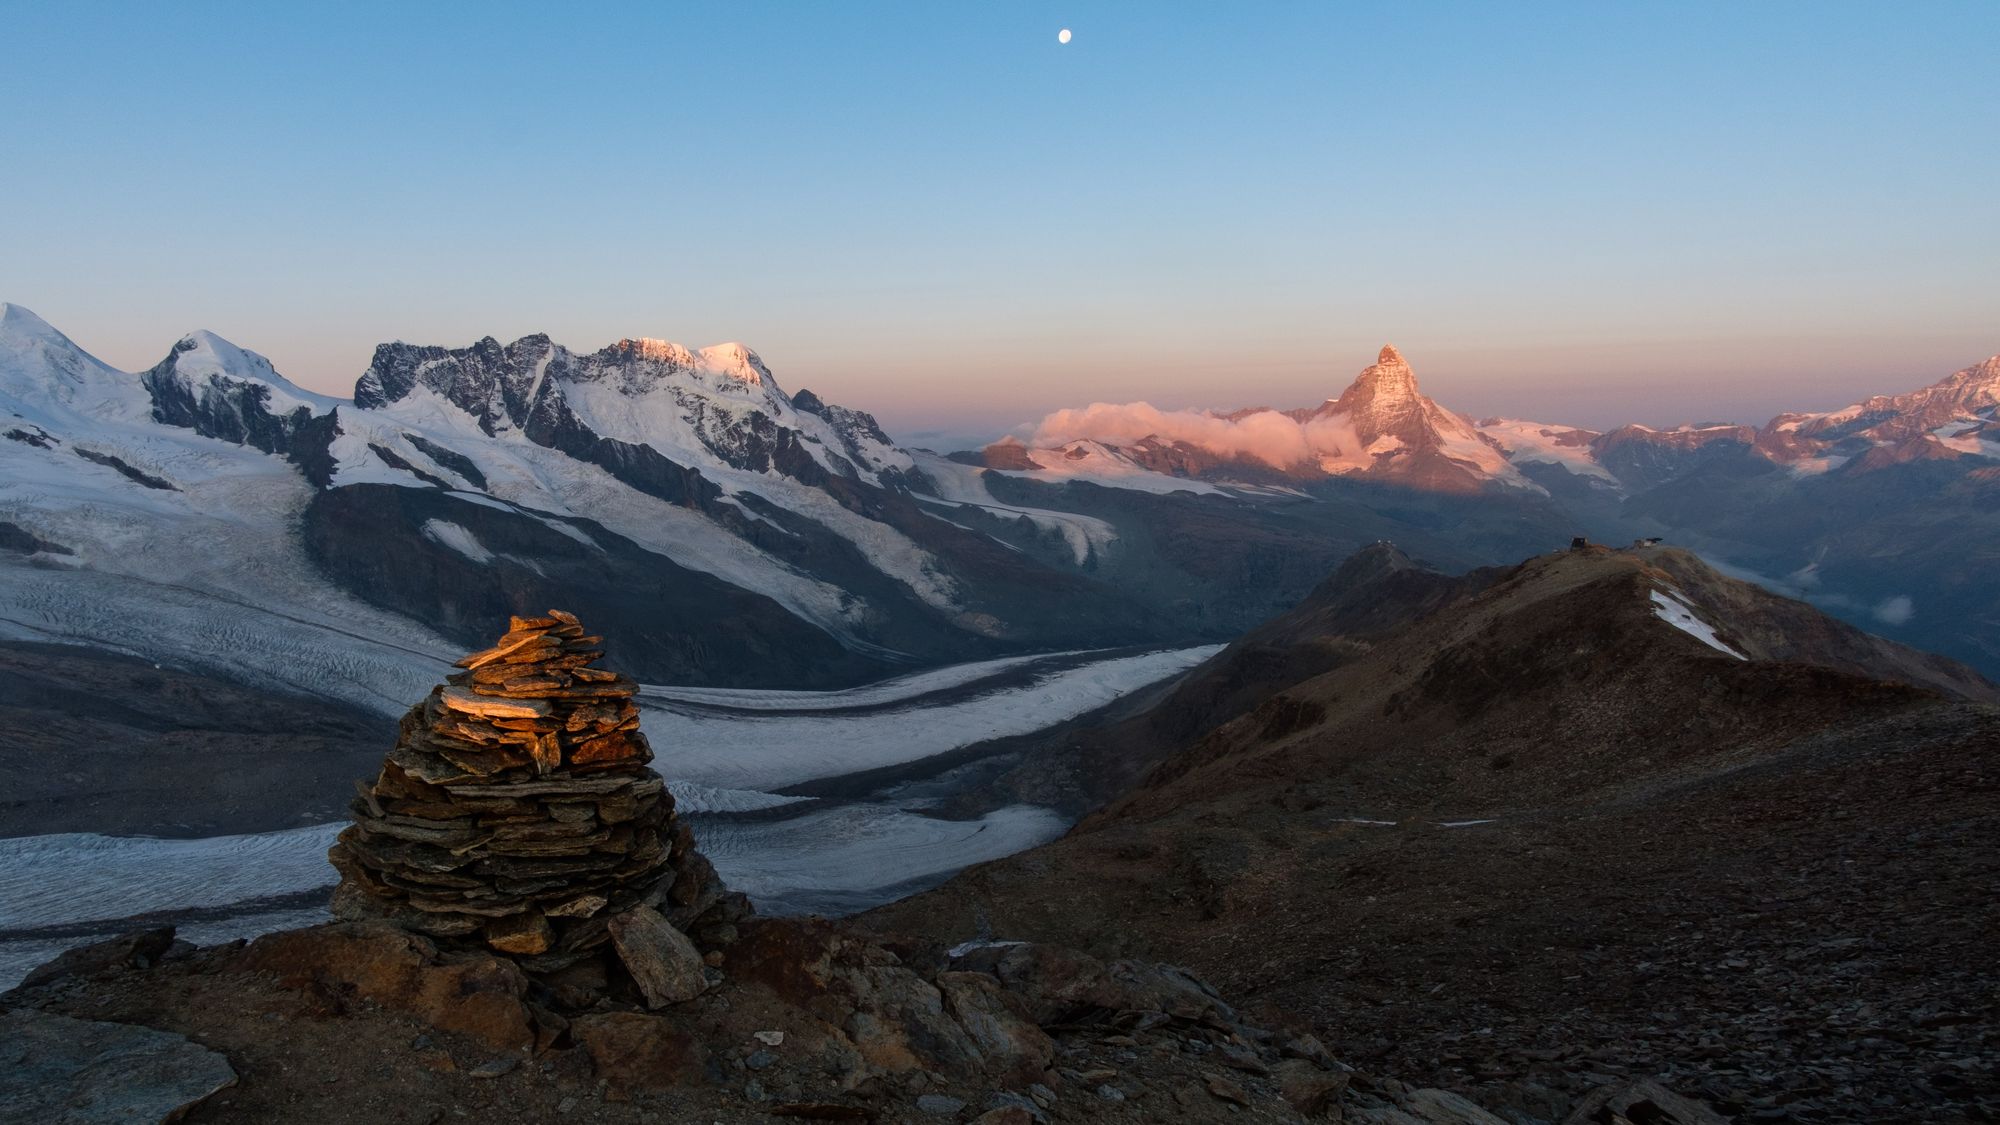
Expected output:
(14, 537)
(450, 459)
(238, 409)
(370, 539)
(135, 475)
(232, 410)
(490, 381)
(33, 435)
(1642, 458)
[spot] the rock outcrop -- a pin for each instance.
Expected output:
(518, 814)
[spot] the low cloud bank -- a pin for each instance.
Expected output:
(1276, 439)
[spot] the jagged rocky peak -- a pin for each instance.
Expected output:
(1390, 381)
(732, 361)
(493, 382)
(1973, 388)
(1383, 401)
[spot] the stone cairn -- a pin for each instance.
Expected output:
(518, 814)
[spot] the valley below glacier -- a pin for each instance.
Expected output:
(810, 802)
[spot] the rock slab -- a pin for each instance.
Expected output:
(55, 1070)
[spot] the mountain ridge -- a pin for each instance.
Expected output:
(1555, 809)
(1440, 449)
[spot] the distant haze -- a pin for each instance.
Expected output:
(1584, 213)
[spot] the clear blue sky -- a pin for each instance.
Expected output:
(1581, 212)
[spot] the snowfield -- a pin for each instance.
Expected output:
(779, 749)
(856, 856)
(1680, 615)
(867, 695)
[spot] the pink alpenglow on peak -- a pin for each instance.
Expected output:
(1380, 426)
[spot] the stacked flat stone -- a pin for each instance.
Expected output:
(517, 811)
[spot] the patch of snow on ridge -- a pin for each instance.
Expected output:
(1677, 613)
(458, 539)
(976, 944)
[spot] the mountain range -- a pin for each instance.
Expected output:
(210, 514)
(1883, 512)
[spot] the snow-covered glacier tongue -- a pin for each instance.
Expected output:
(729, 756)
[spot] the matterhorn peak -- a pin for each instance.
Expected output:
(1388, 385)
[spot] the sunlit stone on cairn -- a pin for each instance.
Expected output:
(518, 813)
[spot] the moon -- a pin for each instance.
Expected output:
(1062, 36)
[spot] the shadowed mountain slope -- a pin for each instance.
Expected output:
(1603, 804)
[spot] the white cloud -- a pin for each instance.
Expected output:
(1266, 435)
(1895, 611)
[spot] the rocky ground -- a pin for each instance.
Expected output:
(1807, 939)
(358, 1023)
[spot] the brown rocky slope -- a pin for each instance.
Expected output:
(1541, 838)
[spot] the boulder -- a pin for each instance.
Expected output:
(1309, 1088)
(663, 962)
(1008, 1043)
(474, 994)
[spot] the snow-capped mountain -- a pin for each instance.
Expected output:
(1381, 428)
(740, 534)
(719, 406)
(1401, 434)
(1876, 511)
(209, 512)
